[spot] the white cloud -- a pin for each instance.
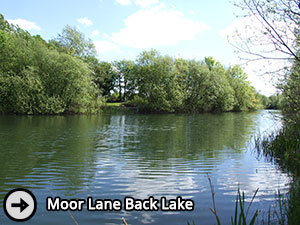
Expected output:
(95, 33)
(85, 21)
(146, 3)
(106, 46)
(157, 26)
(25, 24)
(124, 2)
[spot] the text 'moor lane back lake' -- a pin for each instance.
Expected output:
(112, 156)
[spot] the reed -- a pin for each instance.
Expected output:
(241, 212)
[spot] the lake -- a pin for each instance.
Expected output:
(118, 155)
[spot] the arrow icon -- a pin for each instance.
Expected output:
(22, 205)
(19, 204)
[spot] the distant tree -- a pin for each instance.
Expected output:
(208, 88)
(274, 101)
(181, 71)
(37, 80)
(104, 76)
(210, 62)
(64, 75)
(6, 26)
(264, 100)
(158, 89)
(74, 43)
(126, 82)
(245, 97)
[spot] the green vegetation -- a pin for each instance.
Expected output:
(165, 84)
(37, 79)
(63, 75)
(114, 104)
(240, 211)
(283, 146)
(272, 102)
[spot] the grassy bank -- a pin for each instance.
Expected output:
(282, 147)
(118, 107)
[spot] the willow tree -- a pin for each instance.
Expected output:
(35, 79)
(158, 89)
(73, 42)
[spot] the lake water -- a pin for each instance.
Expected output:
(114, 155)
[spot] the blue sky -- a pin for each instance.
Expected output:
(191, 29)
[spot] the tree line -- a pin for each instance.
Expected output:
(164, 84)
(63, 75)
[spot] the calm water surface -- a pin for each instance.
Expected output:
(111, 156)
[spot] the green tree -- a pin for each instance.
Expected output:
(244, 94)
(158, 89)
(220, 87)
(126, 81)
(274, 101)
(291, 96)
(208, 90)
(104, 77)
(181, 71)
(74, 43)
(35, 79)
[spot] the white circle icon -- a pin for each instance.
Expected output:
(19, 204)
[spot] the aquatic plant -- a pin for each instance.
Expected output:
(240, 213)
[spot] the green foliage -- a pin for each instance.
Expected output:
(245, 97)
(264, 100)
(271, 102)
(207, 90)
(291, 95)
(188, 223)
(36, 80)
(240, 212)
(274, 102)
(164, 84)
(283, 148)
(126, 79)
(22, 93)
(104, 76)
(64, 75)
(72, 41)
(156, 83)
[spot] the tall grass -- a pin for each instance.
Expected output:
(283, 148)
(277, 214)
(240, 213)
